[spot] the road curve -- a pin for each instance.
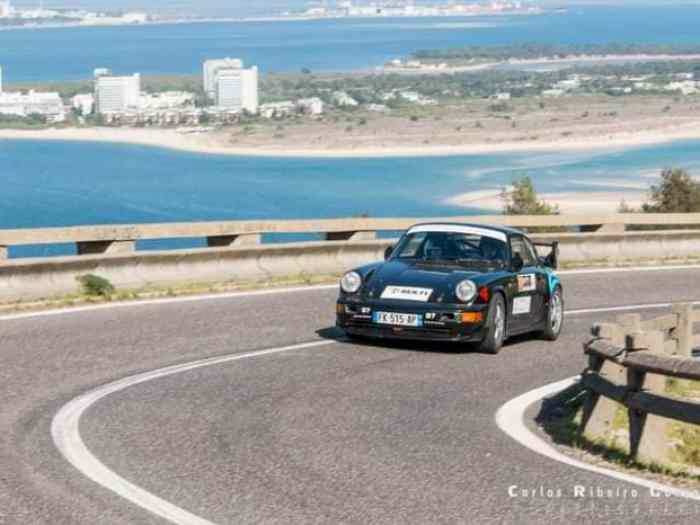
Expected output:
(335, 433)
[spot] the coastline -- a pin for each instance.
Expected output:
(572, 202)
(271, 18)
(542, 61)
(212, 143)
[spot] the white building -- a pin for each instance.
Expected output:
(117, 94)
(101, 72)
(166, 100)
(48, 105)
(6, 10)
(417, 98)
(686, 87)
(278, 109)
(553, 93)
(311, 106)
(83, 103)
(104, 19)
(212, 67)
(341, 98)
(501, 96)
(378, 108)
(237, 89)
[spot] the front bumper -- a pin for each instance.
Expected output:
(355, 318)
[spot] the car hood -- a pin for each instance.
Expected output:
(442, 278)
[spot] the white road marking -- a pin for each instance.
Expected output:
(510, 418)
(65, 430)
(585, 271)
(650, 306)
(164, 300)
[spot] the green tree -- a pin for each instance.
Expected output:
(522, 199)
(676, 193)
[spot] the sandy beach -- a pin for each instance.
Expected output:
(218, 142)
(432, 69)
(569, 202)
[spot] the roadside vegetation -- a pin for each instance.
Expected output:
(522, 199)
(561, 418)
(677, 192)
(96, 286)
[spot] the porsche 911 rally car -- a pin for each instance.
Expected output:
(455, 282)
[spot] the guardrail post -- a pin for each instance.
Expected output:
(351, 236)
(599, 412)
(105, 247)
(224, 241)
(648, 432)
(684, 328)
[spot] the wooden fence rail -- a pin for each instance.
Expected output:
(629, 364)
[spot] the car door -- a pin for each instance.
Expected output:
(527, 305)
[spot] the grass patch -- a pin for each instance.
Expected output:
(95, 286)
(172, 290)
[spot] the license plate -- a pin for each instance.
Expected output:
(394, 319)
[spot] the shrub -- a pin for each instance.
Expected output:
(523, 200)
(677, 193)
(500, 107)
(95, 286)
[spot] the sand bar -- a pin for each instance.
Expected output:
(215, 142)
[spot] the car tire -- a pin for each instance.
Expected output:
(496, 323)
(555, 316)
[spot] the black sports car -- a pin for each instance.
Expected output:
(455, 282)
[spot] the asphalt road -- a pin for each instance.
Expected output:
(340, 433)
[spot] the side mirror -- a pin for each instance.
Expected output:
(552, 260)
(553, 257)
(517, 262)
(387, 253)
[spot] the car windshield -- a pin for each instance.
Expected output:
(461, 248)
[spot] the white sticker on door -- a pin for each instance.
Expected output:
(527, 282)
(522, 305)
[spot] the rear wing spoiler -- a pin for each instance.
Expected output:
(552, 259)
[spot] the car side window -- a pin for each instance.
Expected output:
(519, 246)
(533, 251)
(412, 246)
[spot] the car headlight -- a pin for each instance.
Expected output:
(351, 282)
(465, 291)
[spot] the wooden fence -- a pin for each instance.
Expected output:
(629, 364)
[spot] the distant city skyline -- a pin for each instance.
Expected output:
(270, 7)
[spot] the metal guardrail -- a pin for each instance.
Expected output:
(629, 364)
(122, 238)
